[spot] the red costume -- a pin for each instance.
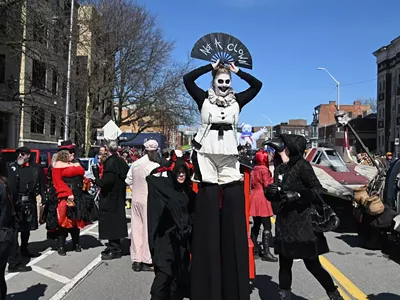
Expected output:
(260, 178)
(64, 190)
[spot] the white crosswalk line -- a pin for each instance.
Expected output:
(50, 274)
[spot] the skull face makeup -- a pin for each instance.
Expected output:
(222, 83)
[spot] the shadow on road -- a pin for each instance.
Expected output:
(353, 241)
(33, 292)
(89, 241)
(384, 296)
(267, 289)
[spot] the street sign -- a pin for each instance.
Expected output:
(396, 141)
(111, 131)
(100, 134)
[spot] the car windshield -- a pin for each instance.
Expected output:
(336, 161)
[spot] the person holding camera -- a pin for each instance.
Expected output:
(26, 188)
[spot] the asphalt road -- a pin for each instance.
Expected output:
(358, 272)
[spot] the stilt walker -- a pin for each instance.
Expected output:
(220, 266)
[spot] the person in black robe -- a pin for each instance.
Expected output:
(112, 216)
(295, 189)
(170, 207)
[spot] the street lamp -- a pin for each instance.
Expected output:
(337, 84)
(271, 127)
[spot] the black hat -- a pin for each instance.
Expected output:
(23, 150)
(66, 145)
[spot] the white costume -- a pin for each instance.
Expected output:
(247, 137)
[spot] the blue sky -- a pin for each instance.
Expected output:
(288, 40)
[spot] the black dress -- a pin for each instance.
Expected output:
(295, 236)
(170, 219)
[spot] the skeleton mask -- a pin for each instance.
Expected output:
(222, 84)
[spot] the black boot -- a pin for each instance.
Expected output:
(335, 295)
(24, 245)
(61, 245)
(75, 234)
(267, 256)
(256, 249)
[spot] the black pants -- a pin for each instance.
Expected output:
(63, 233)
(14, 258)
(313, 266)
(265, 221)
(220, 261)
(5, 249)
(165, 287)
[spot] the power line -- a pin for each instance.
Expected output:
(359, 82)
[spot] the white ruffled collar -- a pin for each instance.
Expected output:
(226, 101)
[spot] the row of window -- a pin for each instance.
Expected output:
(38, 120)
(396, 81)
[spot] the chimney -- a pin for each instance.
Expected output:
(357, 103)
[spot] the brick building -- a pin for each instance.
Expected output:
(327, 111)
(388, 108)
(295, 126)
(324, 116)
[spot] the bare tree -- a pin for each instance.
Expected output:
(147, 82)
(371, 101)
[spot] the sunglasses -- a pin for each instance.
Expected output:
(182, 174)
(22, 154)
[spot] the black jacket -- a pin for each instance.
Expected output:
(295, 236)
(112, 217)
(7, 220)
(169, 213)
(27, 180)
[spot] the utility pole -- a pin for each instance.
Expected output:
(68, 96)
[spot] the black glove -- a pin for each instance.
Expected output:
(290, 197)
(271, 191)
(96, 171)
(276, 144)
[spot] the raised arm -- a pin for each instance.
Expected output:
(255, 86)
(194, 91)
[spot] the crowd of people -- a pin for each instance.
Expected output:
(196, 244)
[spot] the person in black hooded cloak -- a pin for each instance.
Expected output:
(295, 188)
(170, 219)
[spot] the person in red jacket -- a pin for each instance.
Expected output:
(260, 207)
(68, 179)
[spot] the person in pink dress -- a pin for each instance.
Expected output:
(260, 207)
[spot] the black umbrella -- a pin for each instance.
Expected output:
(224, 47)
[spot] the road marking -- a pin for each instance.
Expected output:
(340, 278)
(49, 252)
(81, 275)
(343, 294)
(93, 232)
(50, 274)
(343, 280)
(31, 263)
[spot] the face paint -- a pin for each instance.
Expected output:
(222, 83)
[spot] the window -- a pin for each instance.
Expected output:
(398, 108)
(64, 90)
(39, 75)
(37, 119)
(3, 20)
(350, 114)
(53, 124)
(54, 83)
(62, 124)
(2, 68)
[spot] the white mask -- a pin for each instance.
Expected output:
(222, 83)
